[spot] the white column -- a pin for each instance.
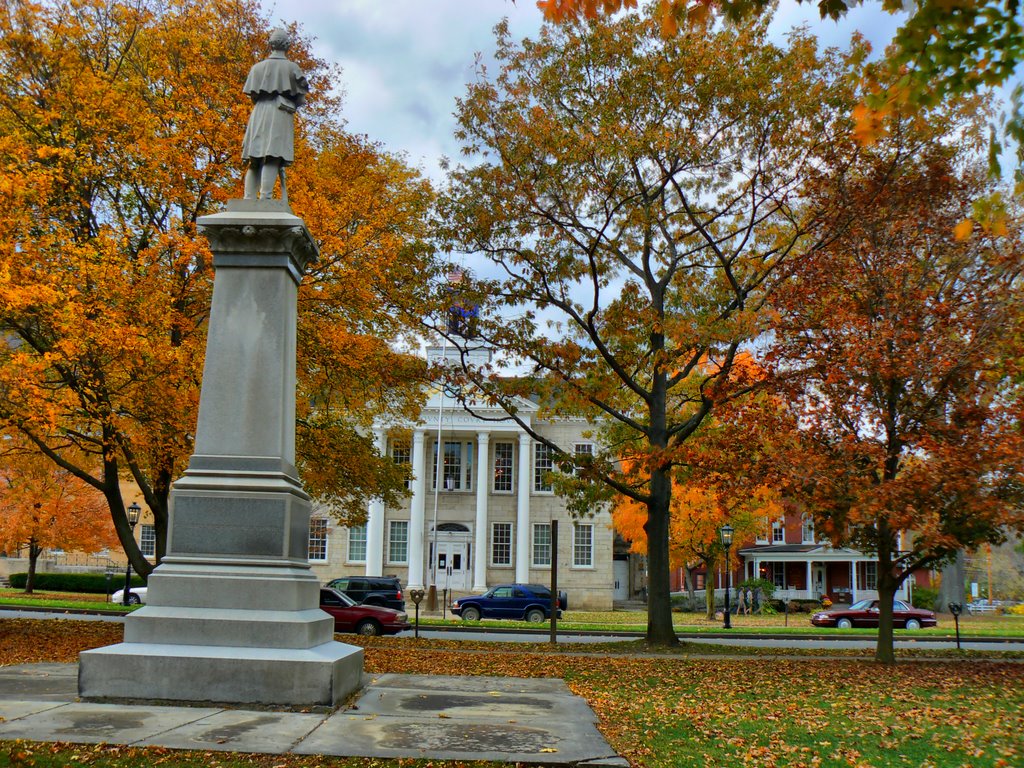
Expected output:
(375, 521)
(482, 484)
(810, 584)
(853, 581)
(523, 512)
(419, 494)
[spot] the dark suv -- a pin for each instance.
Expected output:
(385, 591)
(531, 602)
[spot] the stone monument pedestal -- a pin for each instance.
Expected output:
(232, 611)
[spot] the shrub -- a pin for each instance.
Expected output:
(684, 604)
(95, 583)
(800, 606)
(767, 587)
(925, 597)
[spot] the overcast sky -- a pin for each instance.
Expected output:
(405, 61)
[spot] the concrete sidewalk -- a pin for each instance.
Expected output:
(529, 721)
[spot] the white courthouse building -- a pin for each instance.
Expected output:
(485, 518)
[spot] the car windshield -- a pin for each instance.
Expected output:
(861, 605)
(347, 601)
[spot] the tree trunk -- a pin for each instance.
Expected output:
(952, 589)
(660, 630)
(118, 513)
(691, 593)
(887, 584)
(709, 588)
(33, 557)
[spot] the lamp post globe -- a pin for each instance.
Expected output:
(134, 511)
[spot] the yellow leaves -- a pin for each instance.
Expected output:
(963, 230)
(560, 11)
(671, 14)
(868, 124)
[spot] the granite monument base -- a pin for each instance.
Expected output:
(231, 613)
(321, 676)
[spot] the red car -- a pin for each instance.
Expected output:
(864, 613)
(350, 616)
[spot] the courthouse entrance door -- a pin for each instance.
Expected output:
(451, 550)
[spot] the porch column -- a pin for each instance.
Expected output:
(853, 581)
(523, 512)
(375, 521)
(482, 478)
(419, 483)
(810, 583)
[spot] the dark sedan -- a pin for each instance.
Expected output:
(350, 616)
(864, 613)
(531, 602)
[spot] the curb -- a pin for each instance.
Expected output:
(625, 634)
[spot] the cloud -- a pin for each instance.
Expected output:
(405, 62)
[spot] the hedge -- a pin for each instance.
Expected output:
(75, 582)
(925, 597)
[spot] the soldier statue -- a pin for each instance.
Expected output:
(277, 88)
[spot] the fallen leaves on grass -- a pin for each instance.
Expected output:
(28, 641)
(669, 712)
(666, 712)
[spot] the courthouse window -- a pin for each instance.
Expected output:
(503, 454)
(542, 544)
(456, 466)
(317, 539)
(583, 545)
(147, 540)
(398, 541)
(542, 467)
(357, 544)
(501, 544)
(401, 454)
(583, 449)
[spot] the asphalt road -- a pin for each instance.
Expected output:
(820, 642)
(823, 642)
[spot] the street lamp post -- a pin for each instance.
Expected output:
(725, 532)
(134, 510)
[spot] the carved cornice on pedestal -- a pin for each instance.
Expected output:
(259, 233)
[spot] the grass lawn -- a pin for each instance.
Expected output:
(985, 625)
(797, 624)
(658, 710)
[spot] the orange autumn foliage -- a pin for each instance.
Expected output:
(120, 125)
(698, 512)
(899, 349)
(42, 509)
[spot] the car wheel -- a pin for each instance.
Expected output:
(134, 600)
(844, 623)
(471, 614)
(913, 624)
(535, 615)
(368, 627)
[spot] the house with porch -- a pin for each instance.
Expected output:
(802, 567)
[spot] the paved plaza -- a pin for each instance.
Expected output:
(529, 721)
